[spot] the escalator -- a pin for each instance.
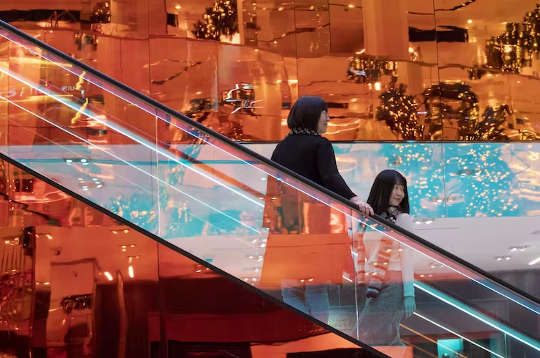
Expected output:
(222, 205)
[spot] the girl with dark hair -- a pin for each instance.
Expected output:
(389, 267)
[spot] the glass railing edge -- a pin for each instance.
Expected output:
(187, 254)
(491, 281)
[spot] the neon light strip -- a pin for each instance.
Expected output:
(131, 165)
(241, 160)
(457, 334)
(479, 316)
(526, 305)
(119, 129)
(52, 59)
(167, 120)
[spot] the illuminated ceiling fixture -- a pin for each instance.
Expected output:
(178, 7)
(503, 258)
(469, 21)
(83, 161)
(108, 275)
(535, 261)
(518, 248)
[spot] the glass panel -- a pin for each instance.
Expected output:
(281, 235)
(413, 297)
(459, 191)
(74, 282)
(91, 283)
(206, 312)
(59, 123)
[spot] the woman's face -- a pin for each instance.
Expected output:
(323, 122)
(397, 195)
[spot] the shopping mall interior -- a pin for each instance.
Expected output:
(141, 215)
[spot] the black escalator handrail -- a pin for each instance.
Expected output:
(265, 160)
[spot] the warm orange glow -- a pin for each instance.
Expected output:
(131, 272)
(108, 275)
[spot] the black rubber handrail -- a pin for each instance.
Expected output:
(267, 161)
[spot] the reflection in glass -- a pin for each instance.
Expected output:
(90, 287)
(225, 189)
(187, 55)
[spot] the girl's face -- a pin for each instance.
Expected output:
(397, 195)
(323, 122)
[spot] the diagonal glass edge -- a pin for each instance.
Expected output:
(185, 253)
(491, 281)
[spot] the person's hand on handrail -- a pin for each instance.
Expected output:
(364, 207)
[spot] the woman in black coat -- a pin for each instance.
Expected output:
(303, 271)
(309, 154)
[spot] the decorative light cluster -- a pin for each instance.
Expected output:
(471, 126)
(220, 19)
(398, 110)
(515, 48)
(101, 13)
(365, 68)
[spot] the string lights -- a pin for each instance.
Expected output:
(461, 180)
(399, 110)
(515, 48)
(101, 13)
(365, 68)
(219, 19)
(485, 181)
(447, 102)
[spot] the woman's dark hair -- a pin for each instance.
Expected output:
(305, 113)
(379, 196)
